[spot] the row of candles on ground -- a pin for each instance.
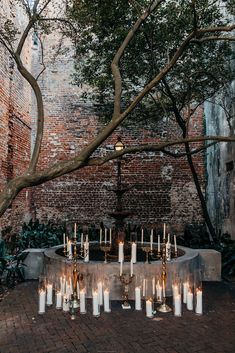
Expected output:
(150, 290)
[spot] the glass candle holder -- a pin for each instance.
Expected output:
(198, 301)
(82, 295)
(49, 293)
(189, 303)
(107, 304)
(95, 303)
(158, 290)
(42, 294)
(149, 307)
(138, 305)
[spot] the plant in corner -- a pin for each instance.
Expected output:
(39, 235)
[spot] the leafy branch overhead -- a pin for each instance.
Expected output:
(129, 63)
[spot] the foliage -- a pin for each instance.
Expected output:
(225, 245)
(11, 266)
(200, 72)
(39, 235)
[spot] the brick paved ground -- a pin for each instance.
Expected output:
(22, 330)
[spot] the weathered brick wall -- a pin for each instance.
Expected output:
(161, 188)
(15, 129)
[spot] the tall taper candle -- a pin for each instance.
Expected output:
(120, 252)
(133, 252)
(42, 301)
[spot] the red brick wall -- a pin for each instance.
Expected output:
(15, 133)
(161, 188)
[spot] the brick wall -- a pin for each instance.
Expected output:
(160, 188)
(15, 129)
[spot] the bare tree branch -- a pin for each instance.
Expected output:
(213, 38)
(42, 61)
(119, 54)
(40, 111)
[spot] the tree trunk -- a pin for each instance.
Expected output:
(212, 234)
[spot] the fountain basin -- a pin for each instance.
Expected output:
(183, 267)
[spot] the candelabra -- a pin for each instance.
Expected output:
(106, 248)
(126, 279)
(147, 249)
(73, 256)
(164, 308)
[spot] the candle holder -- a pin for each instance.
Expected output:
(147, 250)
(164, 308)
(106, 248)
(72, 307)
(126, 279)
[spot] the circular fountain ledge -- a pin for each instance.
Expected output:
(182, 266)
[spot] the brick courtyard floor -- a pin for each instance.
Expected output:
(22, 330)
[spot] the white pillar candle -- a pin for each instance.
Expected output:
(82, 240)
(120, 252)
(49, 294)
(95, 304)
(142, 235)
(175, 244)
(149, 308)
(164, 231)
(65, 303)
(177, 306)
(175, 290)
(168, 249)
(62, 284)
(151, 240)
(198, 309)
(185, 291)
(105, 235)
(110, 236)
(100, 292)
(144, 287)
(82, 301)
(159, 291)
(75, 230)
(58, 300)
(106, 301)
(86, 251)
(42, 301)
(70, 255)
(133, 252)
(153, 286)
(158, 243)
(78, 290)
(67, 246)
(137, 298)
(121, 267)
(100, 235)
(64, 240)
(189, 300)
(131, 268)
(69, 290)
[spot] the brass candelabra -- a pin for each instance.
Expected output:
(106, 248)
(164, 308)
(126, 279)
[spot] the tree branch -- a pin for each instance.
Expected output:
(40, 111)
(116, 60)
(212, 38)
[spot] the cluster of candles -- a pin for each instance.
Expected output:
(70, 296)
(151, 291)
(85, 245)
(63, 297)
